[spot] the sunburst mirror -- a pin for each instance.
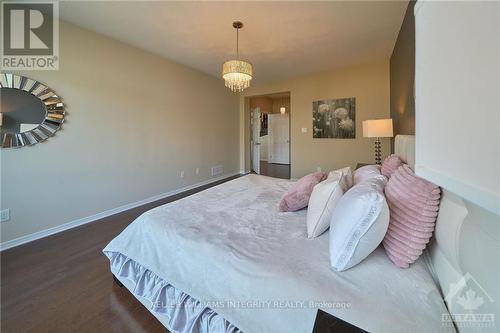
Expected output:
(31, 112)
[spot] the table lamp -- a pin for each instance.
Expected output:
(377, 128)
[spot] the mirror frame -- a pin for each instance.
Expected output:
(54, 111)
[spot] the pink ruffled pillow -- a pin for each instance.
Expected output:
(391, 164)
(297, 197)
(414, 205)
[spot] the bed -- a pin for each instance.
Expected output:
(225, 260)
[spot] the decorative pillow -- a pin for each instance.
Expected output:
(324, 198)
(414, 205)
(346, 181)
(365, 172)
(359, 223)
(391, 164)
(298, 195)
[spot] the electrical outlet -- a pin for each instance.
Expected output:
(5, 215)
(181, 174)
(197, 171)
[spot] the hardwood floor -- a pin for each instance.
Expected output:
(275, 170)
(62, 283)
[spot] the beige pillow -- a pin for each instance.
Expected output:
(346, 181)
(322, 202)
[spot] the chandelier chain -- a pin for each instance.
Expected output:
(237, 43)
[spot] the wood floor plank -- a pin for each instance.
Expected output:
(275, 170)
(62, 283)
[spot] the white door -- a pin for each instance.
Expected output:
(279, 138)
(255, 140)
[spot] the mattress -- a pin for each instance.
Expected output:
(229, 247)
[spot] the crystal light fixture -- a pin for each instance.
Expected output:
(237, 73)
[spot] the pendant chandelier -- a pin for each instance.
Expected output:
(237, 73)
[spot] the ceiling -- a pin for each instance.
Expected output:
(281, 39)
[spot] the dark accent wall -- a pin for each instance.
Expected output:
(402, 68)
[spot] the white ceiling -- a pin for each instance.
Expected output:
(281, 39)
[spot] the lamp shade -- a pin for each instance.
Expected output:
(378, 128)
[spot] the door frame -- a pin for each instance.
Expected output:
(248, 150)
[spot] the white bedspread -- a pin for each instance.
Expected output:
(230, 246)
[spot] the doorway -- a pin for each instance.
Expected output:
(270, 135)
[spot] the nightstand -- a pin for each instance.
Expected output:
(327, 323)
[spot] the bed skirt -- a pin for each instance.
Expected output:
(178, 311)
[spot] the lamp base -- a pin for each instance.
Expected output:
(378, 149)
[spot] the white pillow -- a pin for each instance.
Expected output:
(346, 181)
(359, 223)
(323, 200)
(365, 172)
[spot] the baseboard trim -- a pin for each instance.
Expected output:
(76, 223)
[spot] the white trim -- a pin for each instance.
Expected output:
(473, 193)
(75, 223)
(417, 7)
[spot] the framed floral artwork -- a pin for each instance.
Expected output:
(334, 118)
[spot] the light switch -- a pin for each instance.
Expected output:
(304, 129)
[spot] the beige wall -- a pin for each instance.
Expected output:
(264, 103)
(279, 102)
(134, 121)
(368, 83)
(269, 104)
